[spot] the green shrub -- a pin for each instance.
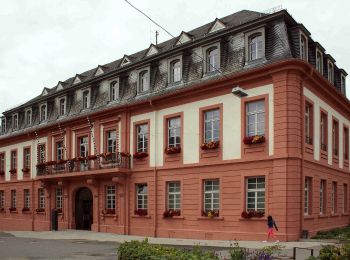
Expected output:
(337, 233)
(331, 252)
(238, 253)
(136, 250)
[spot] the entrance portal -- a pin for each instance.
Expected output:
(83, 209)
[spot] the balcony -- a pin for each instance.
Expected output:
(90, 164)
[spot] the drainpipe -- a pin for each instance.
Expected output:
(33, 215)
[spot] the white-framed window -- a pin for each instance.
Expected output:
(62, 106)
(114, 91)
(112, 141)
(26, 158)
(43, 112)
(41, 198)
(41, 153)
(174, 195)
(28, 117)
(323, 131)
(211, 195)
(335, 137)
(60, 151)
(322, 196)
(84, 146)
(212, 59)
(256, 45)
(334, 197)
(211, 125)
(343, 83)
(110, 197)
(13, 165)
(141, 196)
(319, 62)
(143, 81)
(330, 72)
(15, 121)
(345, 198)
(2, 162)
(59, 198)
(13, 199)
(255, 196)
(2, 199)
(86, 99)
(307, 195)
(142, 138)
(255, 118)
(3, 125)
(175, 71)
(26, 198)
(308, 123)
(174, 132)
(303, 47)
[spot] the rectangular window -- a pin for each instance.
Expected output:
(41, 153)
(174, 132)
(26, 158)
(142, 138)
(43, 113)
(41, 198)
(323, 197)
(307, 196)
(335, 137)
(59, 198)
(2, 163)
(28, 117)
(26, 198)
(323, 131)
(255, 194)
(15, 121)
(334, 197)
(3, 125)
(174, 195)
(303, 47)
(255, 118)
(308, 123)
(211, 195)
(110, 197)
(319, 65)
(345, 198)
(2, 199)
(13, 199)
(112, 141)
(60, 151)
(141, 196)
(346, 143)
(83, 146)
(62, 106)
(86, 100)
(13, 160)
(211, 125)
(330, 73)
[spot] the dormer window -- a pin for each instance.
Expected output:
(3, 125)
(28, 116)
(256, 47)
(343, 83)
(330, 72)
(319, 62)
(143, 81)
(212, 58)
(303, 47)
(15, 121)
(43, 112)
(175, 71)
(86, 99)
(113, 91)
(62, 106)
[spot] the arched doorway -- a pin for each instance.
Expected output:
(83, 209)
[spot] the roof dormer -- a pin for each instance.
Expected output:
(99, 71)
(152, 50)
(125, 61)
(183, 38)
(59, 86)
(77, 79)
(216, 26)
(45, 92)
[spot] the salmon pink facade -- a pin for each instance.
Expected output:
(202, 140)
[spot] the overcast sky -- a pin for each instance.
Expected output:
(42, 42)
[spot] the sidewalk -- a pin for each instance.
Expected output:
(108, 237)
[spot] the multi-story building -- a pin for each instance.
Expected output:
(201, 136)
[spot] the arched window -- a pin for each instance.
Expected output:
(319, 61)
(143, 81)
(255, 47)
(175, 71)
(303, 48)
(43, 113)
(62, 106)
(113, 91)
(212, 59)
(86, 102)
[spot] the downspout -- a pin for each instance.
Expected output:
(33, 215)
(155, 169)
(127, 195)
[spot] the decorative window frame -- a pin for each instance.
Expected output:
(334, 197)
(114, 83)
(323, 212)
(247, 36)
(205, 61)
(330, 63)
(59, 99)
(15, 123)
(303, 35)
(345, 146)
(318, 51)
(3, 125)
(111, 196)
(31, 116)
(82, 91)
(30, 157)
(3, 154)
(136, 206)
(309, 188)
(11, 160)
(145, 161)
(335, 122)
(343, 83)
(309, 140)
(139, 71)
(26, 199)
(169, 62)
(40, 115)
(174, 159)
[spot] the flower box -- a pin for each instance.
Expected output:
(210, 213)
(257, 139)
(172, 150)
(13, 171)
(92, 157)
(12, 209)
(252, 214)
(108, 211)
(125, 154)
(79, 159)
(40, 210)
(171, 213)
(141, 212)
(140, 155)
(25, 209)
(25, 170)
(210, 145)
(50, 163)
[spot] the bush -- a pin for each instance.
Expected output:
(337, 233)
(266, 253)
(136, 250)
(331, 252)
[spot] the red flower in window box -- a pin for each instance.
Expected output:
(106, 155)
(25, 170)
(141, 212)
(13, 171)
(12, 209)
(50, 163)
(40, 210)
(252, 214)
(125, 154)
(256, 139)
(172, 150)
(108, 211)
(2, 173)
(79, 159)
(171, 213)
(210, 213)
(140, 155)
(25, 209)
(211, 145)
(92, 157)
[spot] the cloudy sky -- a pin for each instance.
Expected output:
(42, 42)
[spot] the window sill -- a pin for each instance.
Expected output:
(27, 212)
(308, 217)
(175, 217)
(15, 211)
(207, 218)
(323, 216)
(41, 213)
(137, 216)
(335, 215)
(252, 219)
(175, 84)
(345, 214)
(211, 74)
